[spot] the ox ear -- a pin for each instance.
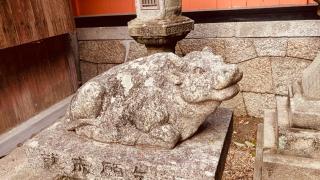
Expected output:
(175, 78)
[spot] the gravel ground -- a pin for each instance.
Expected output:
(240, 160)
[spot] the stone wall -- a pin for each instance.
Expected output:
(271, 54)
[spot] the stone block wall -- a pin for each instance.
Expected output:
(272, 54)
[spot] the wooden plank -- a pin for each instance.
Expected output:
(3, 41)
(24, 20)
(40, 20)
(33, 79)
(55, 16)
(23, 132)
(31, 20)
(47, 16)
(70, 26)
(69, 11)
(8, 28)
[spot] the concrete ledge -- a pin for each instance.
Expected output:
(297, 28)
(18, 135)
(103, 33)
(301, 28)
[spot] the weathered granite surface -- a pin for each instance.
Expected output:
(15, 166)
(236, 104)
(257, 75)
(285, 71)
(56, 153)
(157, 100)
(257, 102)
(304, 48)
(88, 70)
(271, 46)
(239, 50)
(113, 51)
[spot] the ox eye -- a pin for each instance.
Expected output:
(198, 70)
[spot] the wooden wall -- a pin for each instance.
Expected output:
(23, 21)
(33, 77)
(37, 63)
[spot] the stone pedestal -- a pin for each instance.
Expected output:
(160, 35)
(159, 25)
(64, 154)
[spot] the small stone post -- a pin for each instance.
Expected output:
(270, 129)
(283, 112)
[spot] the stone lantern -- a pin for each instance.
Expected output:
(318, 1)
(159, 25)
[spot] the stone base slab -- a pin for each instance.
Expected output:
(282, 167)
(287, 162)
(63, 154)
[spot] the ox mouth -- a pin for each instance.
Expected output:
(227, 93)
(237, 78)
(230, 89)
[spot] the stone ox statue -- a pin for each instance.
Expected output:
(157, 100)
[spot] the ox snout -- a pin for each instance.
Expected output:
(227, 87)
(228, 76)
